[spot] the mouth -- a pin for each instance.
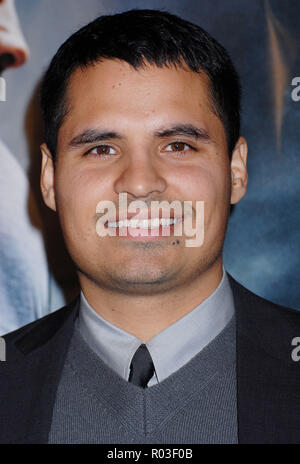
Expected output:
(155, 228)
(144, 224)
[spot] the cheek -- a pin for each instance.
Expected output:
(206, 182)
(78, 195)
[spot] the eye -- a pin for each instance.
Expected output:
(178, 147)
(102, 150)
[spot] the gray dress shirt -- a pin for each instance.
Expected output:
(170, 349)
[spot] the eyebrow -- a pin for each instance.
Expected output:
(185, 129)
(90, 136)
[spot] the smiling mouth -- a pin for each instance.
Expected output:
(143, 224)
(144, 229)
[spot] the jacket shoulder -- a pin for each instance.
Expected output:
(268, 325)
(260, 305)
(38, 332)
(35, 355)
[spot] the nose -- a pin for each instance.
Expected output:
(140, 179)
(13, 48)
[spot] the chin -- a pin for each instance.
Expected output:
(140, 282)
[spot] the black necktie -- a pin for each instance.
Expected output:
(141, 367)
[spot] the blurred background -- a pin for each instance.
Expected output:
(262, 248)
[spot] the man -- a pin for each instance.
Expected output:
(27, 289)
(163, 346)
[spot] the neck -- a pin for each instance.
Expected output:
(146, 316)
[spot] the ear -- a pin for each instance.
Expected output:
(239, 174)
(47, 178)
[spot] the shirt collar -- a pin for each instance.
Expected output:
(170, 349)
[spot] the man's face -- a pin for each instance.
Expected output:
(140, 117)
(13, 49)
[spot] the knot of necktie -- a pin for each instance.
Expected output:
(141, 367)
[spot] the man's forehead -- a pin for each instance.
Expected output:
(155, 98)
(114, 73)
(115, 86)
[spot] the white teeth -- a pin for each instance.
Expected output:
(155, 222)
(144, 223)
(113, 224)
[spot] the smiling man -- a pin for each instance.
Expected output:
(155, 137)
(162, 346)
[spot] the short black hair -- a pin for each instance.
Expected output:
(142, 37)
